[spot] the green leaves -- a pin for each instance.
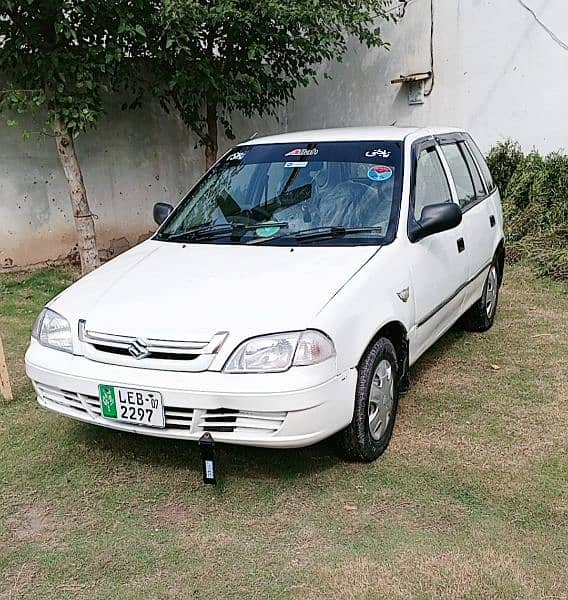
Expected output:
(64, 55)
(250, 56)
(230, 55)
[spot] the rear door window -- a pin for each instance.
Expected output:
(482, 164)
(477, 181)
(460, 174)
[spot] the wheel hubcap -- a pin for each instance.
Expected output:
(381, 399)
(491, 292)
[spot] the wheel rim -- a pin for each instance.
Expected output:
(381, 399)
(491, 292)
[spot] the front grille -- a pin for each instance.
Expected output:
(192, 420)
(62, 397)
(149, 353)
(235, 421)
(159, 355)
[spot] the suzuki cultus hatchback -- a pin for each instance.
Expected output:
(286, 296)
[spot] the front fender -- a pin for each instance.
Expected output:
(368, 302)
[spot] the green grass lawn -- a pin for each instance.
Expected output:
(470, 501)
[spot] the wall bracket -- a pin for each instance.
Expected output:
(415, 84)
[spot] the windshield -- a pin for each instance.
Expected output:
(338, 193)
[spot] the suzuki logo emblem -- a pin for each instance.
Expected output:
(139, 348)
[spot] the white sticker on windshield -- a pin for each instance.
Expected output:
(303, 152)
(294, 165)
(237, 156)
(377, 152)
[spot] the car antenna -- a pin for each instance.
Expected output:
(252, 136)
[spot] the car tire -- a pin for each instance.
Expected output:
(376, 404)
(481, 315)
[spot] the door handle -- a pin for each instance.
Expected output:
(461, 245)
(492, 220)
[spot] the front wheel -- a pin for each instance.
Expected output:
(376, 404)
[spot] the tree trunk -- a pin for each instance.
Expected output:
(84, 222)
(212, 144)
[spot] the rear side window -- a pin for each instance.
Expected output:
(482, 164)
(460, 174)
(431, 186)
(474, 171)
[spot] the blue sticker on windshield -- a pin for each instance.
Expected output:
(379, 173)
(295, 165)
(267, 231)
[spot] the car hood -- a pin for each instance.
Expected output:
(177, 291)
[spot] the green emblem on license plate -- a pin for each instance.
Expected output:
(108, 402)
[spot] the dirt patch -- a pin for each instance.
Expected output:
(33, 524)
(175, 514)
(16, 581)
(308, 542)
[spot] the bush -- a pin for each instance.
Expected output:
(535, 206)
(503, 160)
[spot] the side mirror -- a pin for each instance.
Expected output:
(162, 212)
(434, 219)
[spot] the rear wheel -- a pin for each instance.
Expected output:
(481, 315)
(376, 404)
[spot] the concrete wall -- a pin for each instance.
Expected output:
(133, 160)
(498, 73)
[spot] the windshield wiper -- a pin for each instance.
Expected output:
(207, 230)
(190, 231)
(333, 231)
(320, 233)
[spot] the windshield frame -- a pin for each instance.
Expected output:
(289, 240)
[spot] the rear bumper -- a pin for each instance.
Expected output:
(259, 410)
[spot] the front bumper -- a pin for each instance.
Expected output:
(279, 410)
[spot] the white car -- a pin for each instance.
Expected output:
(286, 297)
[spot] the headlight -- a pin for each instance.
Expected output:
(280, 351)
(53, 330)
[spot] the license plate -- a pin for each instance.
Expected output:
(129, 405)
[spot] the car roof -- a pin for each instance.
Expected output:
(350, 134)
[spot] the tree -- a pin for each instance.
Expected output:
(61, 57)
(213, 57)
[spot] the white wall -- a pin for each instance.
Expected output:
(498, 73)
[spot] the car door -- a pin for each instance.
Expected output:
(438, 263)
(479, 218)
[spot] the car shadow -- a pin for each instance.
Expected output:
(436, 352)
(230, 459)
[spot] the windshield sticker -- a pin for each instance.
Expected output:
(267, 231)
(379, 173)
(377, 152)
(302, 152)
(295, 165)
(237, 156)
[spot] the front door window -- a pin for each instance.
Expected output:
(431, 185)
